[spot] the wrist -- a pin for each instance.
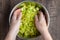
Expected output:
(14, 29)
(44, 30)
(13, 32)
(46, 35)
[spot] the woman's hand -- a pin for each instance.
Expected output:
(42, 26)
(14, 26)
(16, 21)
(41, 22)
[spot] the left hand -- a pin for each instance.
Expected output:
(14, 26)
(16, 21)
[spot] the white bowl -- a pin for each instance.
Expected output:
(46, 14)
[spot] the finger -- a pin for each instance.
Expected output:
(16, 13)
(36, 19)
(20, 16)
(41, 16)
(42, 19)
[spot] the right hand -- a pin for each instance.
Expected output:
(42, 26)
(41, 22)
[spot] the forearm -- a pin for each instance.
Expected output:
(46, 35)
(11, 35)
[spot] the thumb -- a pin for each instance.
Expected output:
(41, 17)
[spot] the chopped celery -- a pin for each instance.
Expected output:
(28, 28)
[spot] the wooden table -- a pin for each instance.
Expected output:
(53, 6)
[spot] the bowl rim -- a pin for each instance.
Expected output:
(14, 8)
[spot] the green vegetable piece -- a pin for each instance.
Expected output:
(27, 28)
